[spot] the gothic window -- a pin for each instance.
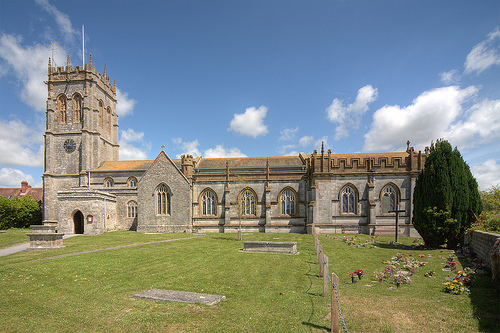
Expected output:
(208, 203)
(108, 182)
(163, 200)
(389, 199)
(77, 108)
(101, 113)
(348, 200)
(132, 209)
(287, 201)
(247, 202)
(132, 182)
(108, 119)
(61, 109)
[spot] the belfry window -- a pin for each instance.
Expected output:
(132, 209)
(132, 182)
(77, 108)
(108, 119)
(61, 109)
(348, 200)
(163, 200)
(389, 199)
(208, 203)
(101, 114)
(287, 202)
(247, 202)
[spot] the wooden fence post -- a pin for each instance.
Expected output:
(335, 309)
(320, 261)
(326, 276)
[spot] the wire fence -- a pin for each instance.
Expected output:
(329, 283)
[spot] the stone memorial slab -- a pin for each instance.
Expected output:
(179, 296)
(278, 247)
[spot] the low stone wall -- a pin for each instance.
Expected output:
(481, 243)
(279, 247)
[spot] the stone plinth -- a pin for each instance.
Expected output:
(278, 247)
(45, 237)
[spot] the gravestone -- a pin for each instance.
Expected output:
(45, 237)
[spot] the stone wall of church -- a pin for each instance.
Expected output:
(163, 171)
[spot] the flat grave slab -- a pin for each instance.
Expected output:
(179, 296)
(278, 247)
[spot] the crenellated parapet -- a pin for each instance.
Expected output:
(362, 163)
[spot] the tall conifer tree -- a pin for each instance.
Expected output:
(446, 200)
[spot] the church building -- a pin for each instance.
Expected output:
(88, 190)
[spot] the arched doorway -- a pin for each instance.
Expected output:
(78, 222)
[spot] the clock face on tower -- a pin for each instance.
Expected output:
(69, 145)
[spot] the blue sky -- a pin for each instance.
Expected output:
(262, 78)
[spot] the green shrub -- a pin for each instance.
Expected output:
(19, 212)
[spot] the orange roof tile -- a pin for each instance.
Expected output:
(250, 162)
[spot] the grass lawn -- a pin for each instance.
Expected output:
(13, 237)
(265, 292)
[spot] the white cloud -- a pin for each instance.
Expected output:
(250, 123)
(288, 134)
(484, 54)
(292, 153)
(487, 174)
(61, 19)
(20, 144)
(190, 148)
(428, 118)
(349, 117)
(481, 126)
(12, 178)
(220, 151)
(29, 65)
(124, 105)
(306, 141)
(133, 146)
(450, 77)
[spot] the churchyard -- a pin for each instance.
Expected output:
(54, 291)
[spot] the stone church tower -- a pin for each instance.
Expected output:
(81, 129)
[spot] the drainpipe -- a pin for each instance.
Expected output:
(105, 216)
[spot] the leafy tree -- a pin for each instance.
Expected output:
(490, 217)
(446, 200)
(19, 212)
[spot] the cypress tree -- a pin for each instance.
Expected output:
(446, 200)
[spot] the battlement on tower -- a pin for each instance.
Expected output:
(88, 73)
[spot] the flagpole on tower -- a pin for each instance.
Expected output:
(83, 46)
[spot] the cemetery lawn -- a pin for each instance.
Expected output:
(13, 236)
(265, 292)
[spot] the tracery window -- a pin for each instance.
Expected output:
(108, 119)
(108, 182)
(288, 202)
(61, 109)
(163, 200)
(77, 108)
(389, 197)
(247, 202)
(348, 200)
(132, 209)
(208, 203)
(132, 182)
(101, 114)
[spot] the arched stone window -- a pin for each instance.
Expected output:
(132, 209)
(247, 201)
(288, 202)
(348, 200)
(61, 109)
(389, 199)
(132, 182)
(163, 200)
(77, 108)
(108, 182)
(108, 119)
(208, 203)
(101, 114)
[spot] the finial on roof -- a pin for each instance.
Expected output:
(90, 59)
(408, 144)
(162, 147)
(114, 82)
(50, 63)
(322, 147)
(105, 71)
(67, 60)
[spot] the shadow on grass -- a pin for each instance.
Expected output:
(485, 300)
(316, 326)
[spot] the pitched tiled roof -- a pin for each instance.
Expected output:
(16, 192)
(250, 162)
(124, 165)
